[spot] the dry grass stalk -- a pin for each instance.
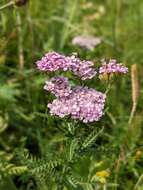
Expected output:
(135, 90)
(135, 83)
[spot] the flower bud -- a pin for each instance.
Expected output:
(20, 3)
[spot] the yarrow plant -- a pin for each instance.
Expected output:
(78, 102)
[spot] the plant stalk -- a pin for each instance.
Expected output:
(20, 41)
(7, 5)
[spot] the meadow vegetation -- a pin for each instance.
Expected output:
(42, 152)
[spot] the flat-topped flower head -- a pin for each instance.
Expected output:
(112, 67)
(85, 70)
(83, 104)
(54, 61)
(59, 86)
(87, 42)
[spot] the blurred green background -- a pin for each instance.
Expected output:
(26, 34)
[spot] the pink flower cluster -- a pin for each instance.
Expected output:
(54, 61)
(112, 67)
(59, 86)
(81, 103)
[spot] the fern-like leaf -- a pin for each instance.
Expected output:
(17, 170)
(72, 149)
(91, 138)
(45, 165)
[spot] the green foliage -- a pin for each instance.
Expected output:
(72, 148)
(91, 138)
(40, 152)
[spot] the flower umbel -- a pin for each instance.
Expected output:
(59, 86)
(54, 61)
(111, 67)
(87, 42)
(83, 103)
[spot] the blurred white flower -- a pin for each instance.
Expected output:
(87, 42)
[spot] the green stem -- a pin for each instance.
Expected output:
(132, 113)
(8, 184)
(104, 187)
(7, 5)
(72, 10)
(108, 88)
(20, 40)
(138, 182)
